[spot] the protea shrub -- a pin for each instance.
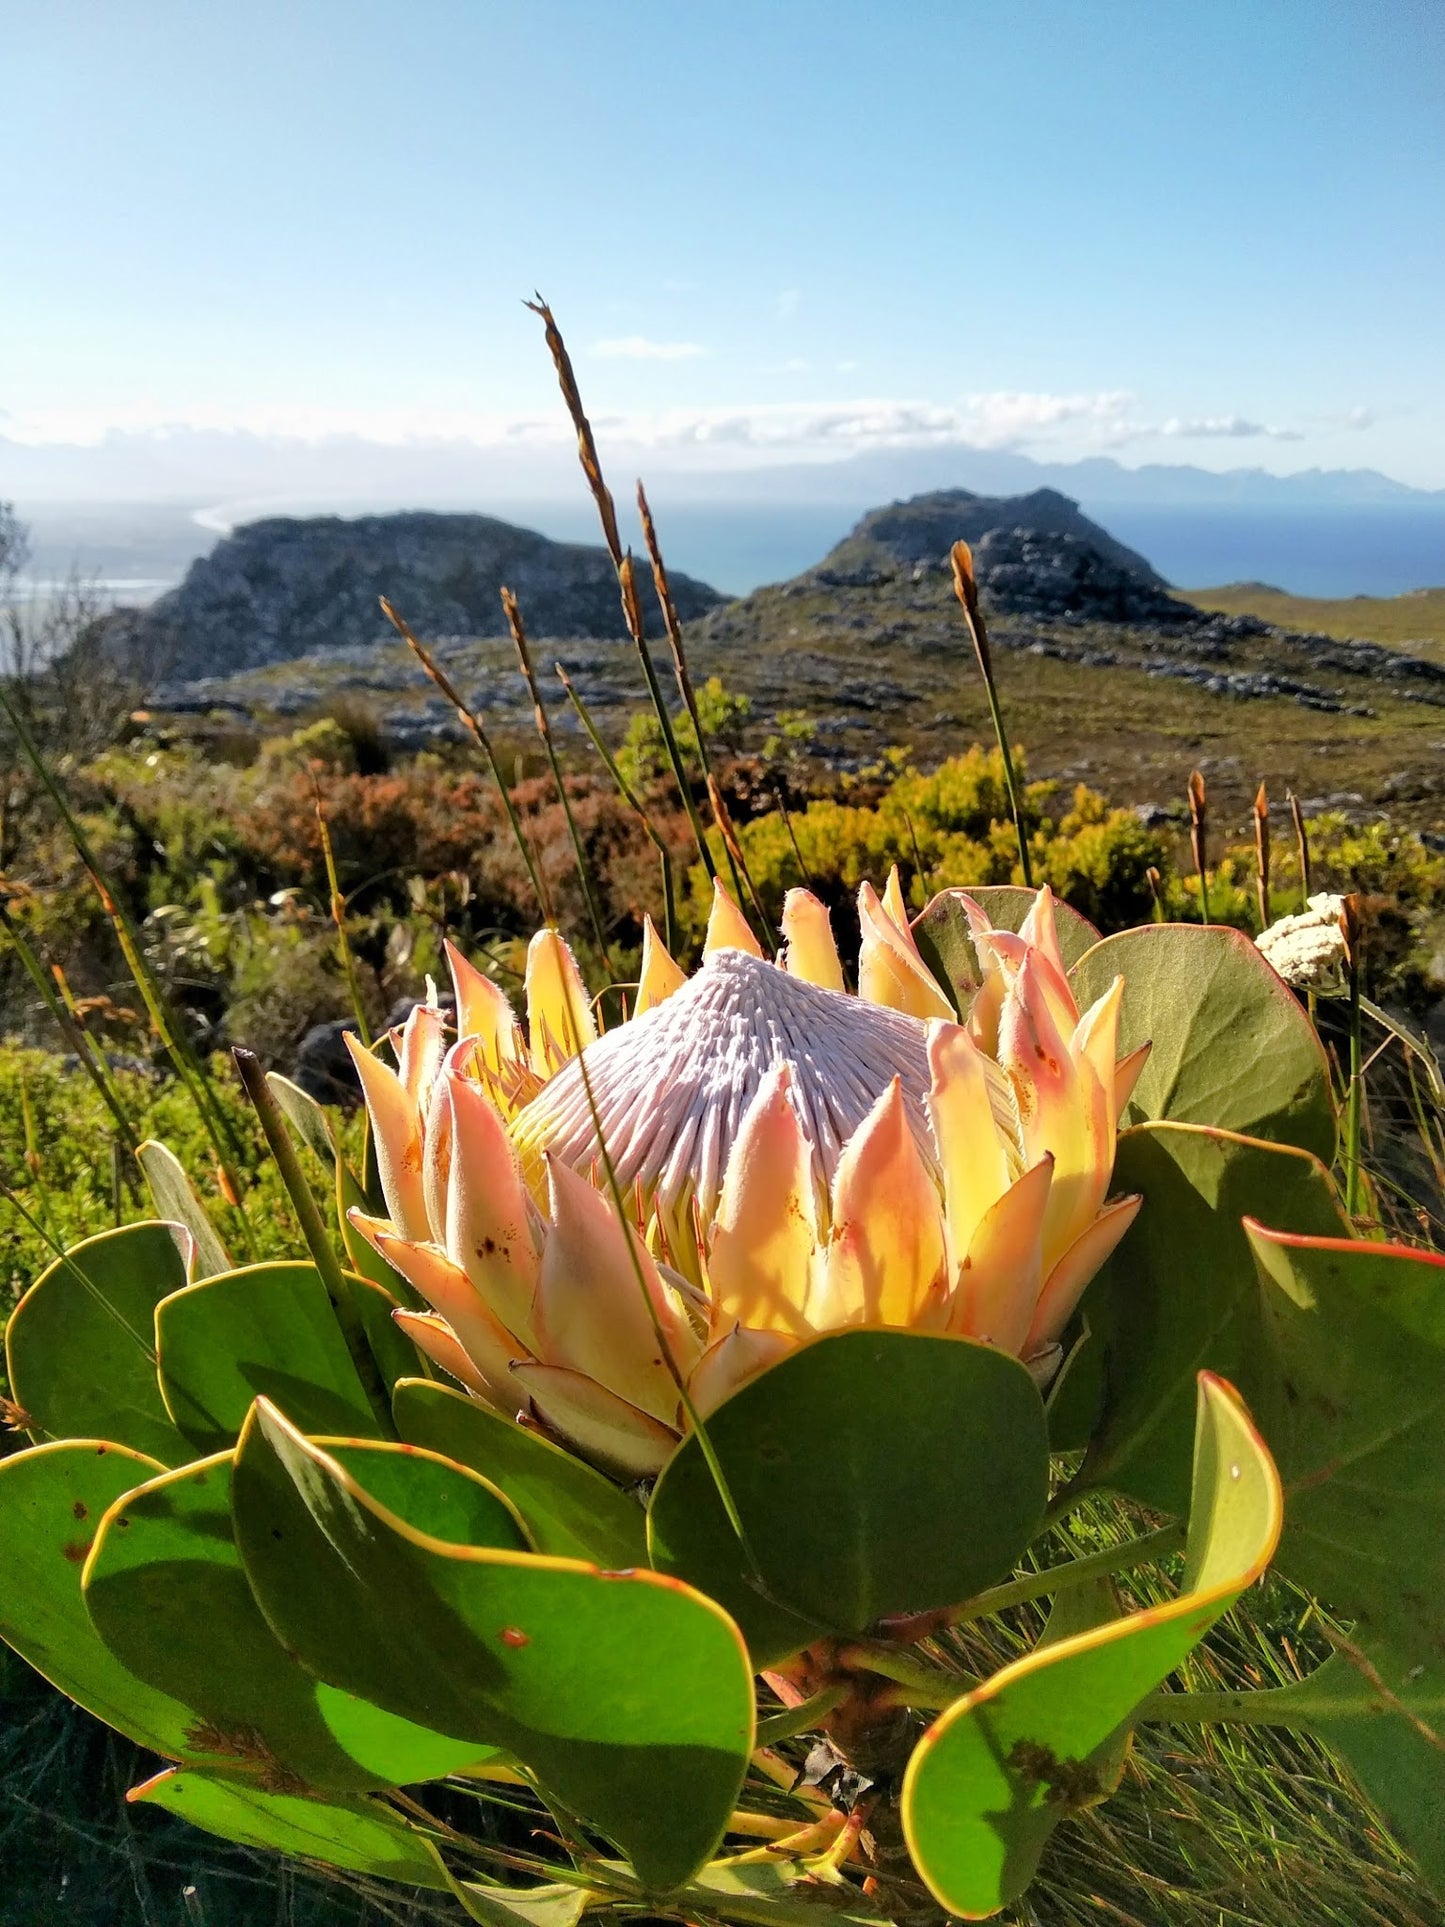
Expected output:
(669, 1408)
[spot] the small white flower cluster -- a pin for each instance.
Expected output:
(1309, 950)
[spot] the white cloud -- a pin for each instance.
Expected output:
(640, 348)
(1226, 427)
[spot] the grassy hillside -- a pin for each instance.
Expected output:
(1415, 621)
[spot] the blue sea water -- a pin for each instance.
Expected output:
(1378, 550)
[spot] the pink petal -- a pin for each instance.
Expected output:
(559, 1011)
(659, 976)
(1126, 1075)
(484, 1014)
(488, 1215)
(591, 1312)
(972, 1153)
(435, 1337)
(730, 1361)
(396, 1134)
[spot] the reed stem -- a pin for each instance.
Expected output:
(965, 587)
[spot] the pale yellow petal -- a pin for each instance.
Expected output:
(730, 1361)
(396, 1135)
(659, 976)
(597, 1423)
(765, 1242)
(1001, 1275)
(489, 1229)
(592, 1306)
(484, 1014)
(1126, 1075)
(727, 927)
(1065, 1284)
(1041, 929)
(893, 904)
(1062, 1109)
(890, 970)
(559, 1012)
(977, 1162)
(887, 1262)
(812, 952)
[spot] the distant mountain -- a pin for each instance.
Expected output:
(924, 529)
(277, 589)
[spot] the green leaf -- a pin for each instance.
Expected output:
(359, 1834)
(80, 1370)
(995, 1774)
(1389, 1730)
(571, 1510)
(1232, 1046)
(549, 1904)
(627, 1694)
(396, 1356)
(264, 1330)
(176, 1199)
(52, 1499)
(1180, 1296)
(167, 1593)
(361, 1254)
(842, 1461)
(308, 1119)
(1353, 1404)
(945, 941)
(778, 1893)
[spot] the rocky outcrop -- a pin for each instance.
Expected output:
(920, 533)
(1054, 577)
(282, 588)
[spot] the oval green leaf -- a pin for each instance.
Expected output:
(358, 1834)
(1180, 1295)
(80, 1345)
(1231, 1045)
(842, 1461)
(629, 1695)
(264, 1331)
(52, 1499)
(570, 1509)
(167, 1593)
(995, 1774)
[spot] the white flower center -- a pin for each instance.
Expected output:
(671, 1087)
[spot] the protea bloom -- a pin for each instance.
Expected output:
(611, 1240)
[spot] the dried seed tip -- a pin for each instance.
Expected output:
(965, 587)
(1198, 796)
(631, 603)
(1261, 805)
(586, 444)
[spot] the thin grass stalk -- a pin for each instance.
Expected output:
(633, 802)
(92, 1290)
(187, 1066)
(1261, 853)
(1354, 1189)
(694, 1417)
(1198, 837)
(478, 731)
(672, 628)
(622, 562)
(965, 587)
(803, 871)
(338, 917)
(318, 1242)
(93, 1060)
(1302, 846)
(544, 730)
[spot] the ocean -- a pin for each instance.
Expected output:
(1318, 551)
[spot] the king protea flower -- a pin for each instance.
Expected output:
(614, 1232)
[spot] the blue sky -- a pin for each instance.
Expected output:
(772, 229)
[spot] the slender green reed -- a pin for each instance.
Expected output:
(1198, 837)
(965, 587)
(473, 723)
(634, 803)
(338, 917)
(544, 730)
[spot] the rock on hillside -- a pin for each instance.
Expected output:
(282, 588)
(1036, 555)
